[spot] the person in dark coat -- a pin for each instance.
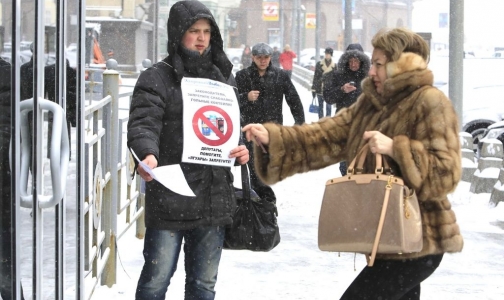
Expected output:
(275, 57)
(5, 183)
(155, 134)
(261, 89)
(345, 86)
(246, 58)
(71, 90)
(26, 74)
(323, 69)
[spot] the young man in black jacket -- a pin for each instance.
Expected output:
(323, 69)
(261, 89)
(155, 134)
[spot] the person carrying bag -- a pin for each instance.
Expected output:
(402, 116)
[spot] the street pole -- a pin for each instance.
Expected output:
(410, 10)
(348, 23)
(293, 24)
(300, 21)
(282, 25)
(456, 59)
(317, 30)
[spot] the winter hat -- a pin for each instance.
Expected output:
(357, 47)
(181, 17)
(261, 49)
(329, 50)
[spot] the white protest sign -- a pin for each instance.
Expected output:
(170, 176)
(211, 122)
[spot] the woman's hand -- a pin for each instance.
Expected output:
(256, 133)
(241, 153)
(151, 161)
(348, 88)
(379, 143)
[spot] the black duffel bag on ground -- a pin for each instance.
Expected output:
(254, 225)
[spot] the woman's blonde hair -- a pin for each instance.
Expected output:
(398, 40)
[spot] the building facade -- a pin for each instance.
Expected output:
(254, 23)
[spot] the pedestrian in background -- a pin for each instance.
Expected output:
(261, 89)
(155, 134)
(275, 57)
(287, 59)
(323, 69)
(402, 116)
(345, 86)
(26, 74)
(246, 58)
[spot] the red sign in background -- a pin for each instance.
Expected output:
(221, 137)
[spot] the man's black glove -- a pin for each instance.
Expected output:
(313, 94)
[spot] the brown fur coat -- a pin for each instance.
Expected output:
(424, 127)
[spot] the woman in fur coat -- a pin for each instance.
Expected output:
(401, 115)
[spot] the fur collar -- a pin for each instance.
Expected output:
(405, 75)
(408, 61)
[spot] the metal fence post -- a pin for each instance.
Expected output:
(140, 224)
(146, 63)
(109, 213)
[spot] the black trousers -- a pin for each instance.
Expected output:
(392, 279)
(343, 167)
(262, 190)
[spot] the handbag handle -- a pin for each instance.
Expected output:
(245, 182)
(379, 230)
(246, 186)
(361, 157)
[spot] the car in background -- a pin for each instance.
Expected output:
(483, 106)
(498, 54)
(307, 57)
(234, 55)
(71, 55)
(494, 131)
(24, 56)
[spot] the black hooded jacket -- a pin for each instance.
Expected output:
(332, 90)
(272, 87)
(156, 127)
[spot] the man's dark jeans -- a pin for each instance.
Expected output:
(202, 249)
(321, 107)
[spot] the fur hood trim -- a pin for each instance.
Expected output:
(408, 61)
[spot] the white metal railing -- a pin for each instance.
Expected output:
(302, 76)
(113, 202)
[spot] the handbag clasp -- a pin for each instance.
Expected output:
(389, 183)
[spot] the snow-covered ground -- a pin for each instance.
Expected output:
(297, 269)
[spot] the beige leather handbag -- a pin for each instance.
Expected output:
(369, 213)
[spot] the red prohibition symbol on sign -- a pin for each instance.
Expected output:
(199, 117)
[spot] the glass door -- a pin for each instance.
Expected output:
(38, 149)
